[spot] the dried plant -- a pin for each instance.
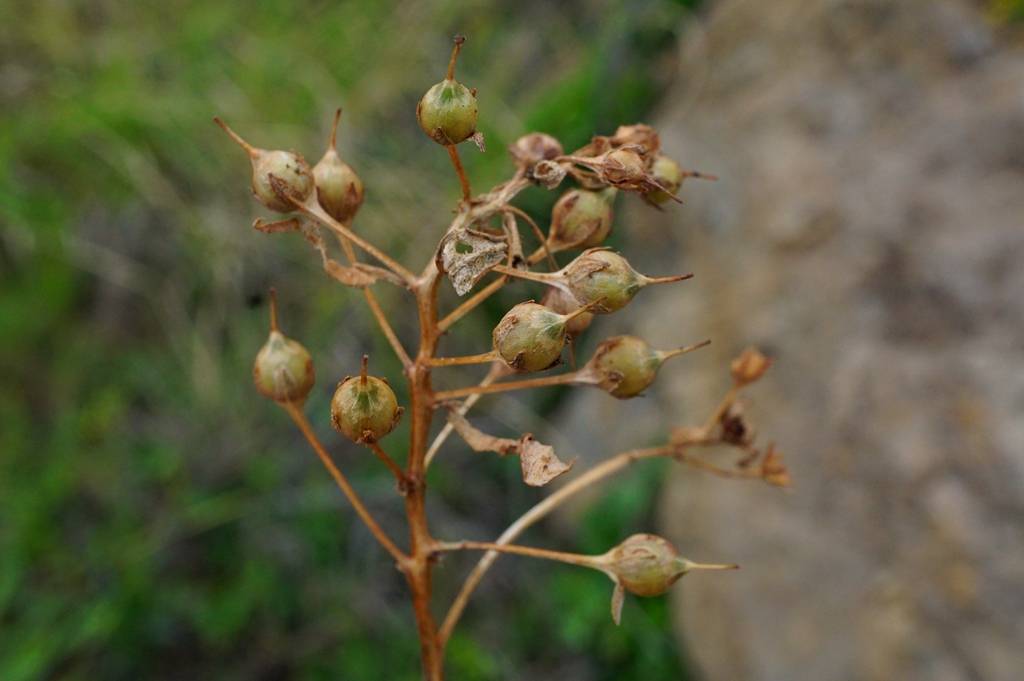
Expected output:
(484, 238)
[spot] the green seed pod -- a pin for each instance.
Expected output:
(364, 408)
(562, 302)
(669, 174)
(283, 370)
(530, 337)
(581, 218)
(448, 111)
(625, 366)
(600, 274)
(288, 166)
(338, 189)
(648, 565)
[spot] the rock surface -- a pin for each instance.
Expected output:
(870, 232)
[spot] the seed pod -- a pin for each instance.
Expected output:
(600, 274)
(643, 137)
(338, 189)
(448, 111)
(624, 366)
(669, 174)
(648, 565)
(283, 370)
(288, 166)
(530, 337)
(531, 149)
(364, 408)
(581, 218)
(562, 302)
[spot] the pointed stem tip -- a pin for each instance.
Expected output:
(668, 280)
(458, 40)
(273, 309)
(668, 354)
(364, 370)
(690, 565)
(333, 142)
(249, 149)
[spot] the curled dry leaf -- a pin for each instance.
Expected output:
(539, 463)
(467, 255)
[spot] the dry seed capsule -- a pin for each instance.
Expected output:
(530, 337)
(600, 274)
(581, 218)
(562, 302)
(283, 370)
(364, 408)
(338, 189)
(288, 166)
(448, 111)
(625, 366)
(667, 173)
(648, 565)
(535, 147)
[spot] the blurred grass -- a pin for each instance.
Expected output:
(158, 519)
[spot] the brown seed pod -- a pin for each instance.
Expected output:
(531, 149)
(283, 370)
(530, 337)
(288, 166)
(581, 219)
(364, 408)
(339, 190)
(642, 137)
(648, 565)
(625, 366)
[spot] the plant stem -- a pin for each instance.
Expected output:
(558, 379)
(375, 309)
(453, 154)
(545, 554)
(497, 370)
(295, 411)
(395, 469)
(481, 358)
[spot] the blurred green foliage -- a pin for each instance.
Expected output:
(157, 518)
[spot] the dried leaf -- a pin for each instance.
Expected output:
(359, 275)
(540, 465)
(276, 227)
(480, 441)
(467, 255)
(478, 140)
(618, 598)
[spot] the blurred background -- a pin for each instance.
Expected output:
(158, 519)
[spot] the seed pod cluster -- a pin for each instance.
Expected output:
(288, 166)
(364, 408)
(447, 113)
(283, 370)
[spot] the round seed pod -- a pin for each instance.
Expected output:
(530, 337)
(648, 565)
(667, 173)
(448, 110)
(600, 274)
(563, 303)
(364, 408)
(642, 136)
(339, 191)
(624, 168)
(581, 218)
(625, 366)
(289, 167)
(283, 370)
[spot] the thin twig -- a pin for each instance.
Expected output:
(395, 469)
(453, 154)
(295, 411)
(538, 382)
(497, 371)
(481, 358)
(545, 554)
